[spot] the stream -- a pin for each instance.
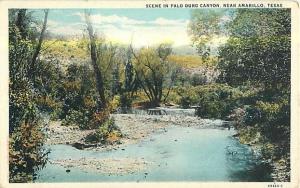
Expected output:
(176, 154)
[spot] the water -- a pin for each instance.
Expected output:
(168, 111)
(180, 154)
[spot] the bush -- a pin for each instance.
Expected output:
(269, 120)
(100, 117)
(107, 133)
(125, 100)
(275, 123)
(252, 115)
(217, 100)
(26, 152)
(26, 138)
(185, 102)
(187, 96)
(80, 118)
(115, 103)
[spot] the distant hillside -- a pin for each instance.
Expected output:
(75, 50)
(191, 61)
(185, 50)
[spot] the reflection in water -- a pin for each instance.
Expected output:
(249, 168)
(168, 111)
(258, 172)
(180, 154)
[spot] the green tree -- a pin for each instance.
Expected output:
(204, 26)
(258, 53)
(94, 61)
(26, 151)
(151, 68)
(258, 50)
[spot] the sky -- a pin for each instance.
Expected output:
(141, 27)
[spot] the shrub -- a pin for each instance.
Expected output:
(26, 152)
(80, 118)
(115, 103)
(107, 133)
(100, 117)
(187, 96)
(217, 100)
(237, 116)
(252, 115)
(275, 123)
(198, 79)
(125, 100)
(185, 101)
(269, 120)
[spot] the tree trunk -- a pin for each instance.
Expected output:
(97, 71)
(38, 47)
(20, 22)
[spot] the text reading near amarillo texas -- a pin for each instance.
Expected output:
(215, 5)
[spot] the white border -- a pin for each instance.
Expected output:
(295, 95)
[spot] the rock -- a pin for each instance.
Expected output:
(81, 146)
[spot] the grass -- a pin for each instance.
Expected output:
(191, 61)
(66, 49)
(78, 48)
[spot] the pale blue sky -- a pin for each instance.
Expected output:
(66, 15)
(141, 26)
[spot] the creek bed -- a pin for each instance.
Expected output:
(174, 154)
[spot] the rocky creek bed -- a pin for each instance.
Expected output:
(135, 128)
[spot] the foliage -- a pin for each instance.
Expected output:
(204, 26)
(217, 100)
(191, 61)
(251, 54)
(125, 100)
(185, 101)
(260, 57)
(66, 49)
(271, 121)
(26, 151)
(267, 63)
(107, 132)
(151, 67)
(214, 100)
(80, 99)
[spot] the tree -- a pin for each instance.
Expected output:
(151, 68)
(258, 50)
(258, 54)
(26, 151)
(204, 26)
(38, 47)
(94, 58)
(130, 81)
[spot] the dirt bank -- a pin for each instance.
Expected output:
(104, 166)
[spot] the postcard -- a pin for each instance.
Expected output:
(149, 93)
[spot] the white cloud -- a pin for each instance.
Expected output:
(65, 29)
(112, 19)
(52, 23)
(124, 30)
(145, 35)
(165, 22)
